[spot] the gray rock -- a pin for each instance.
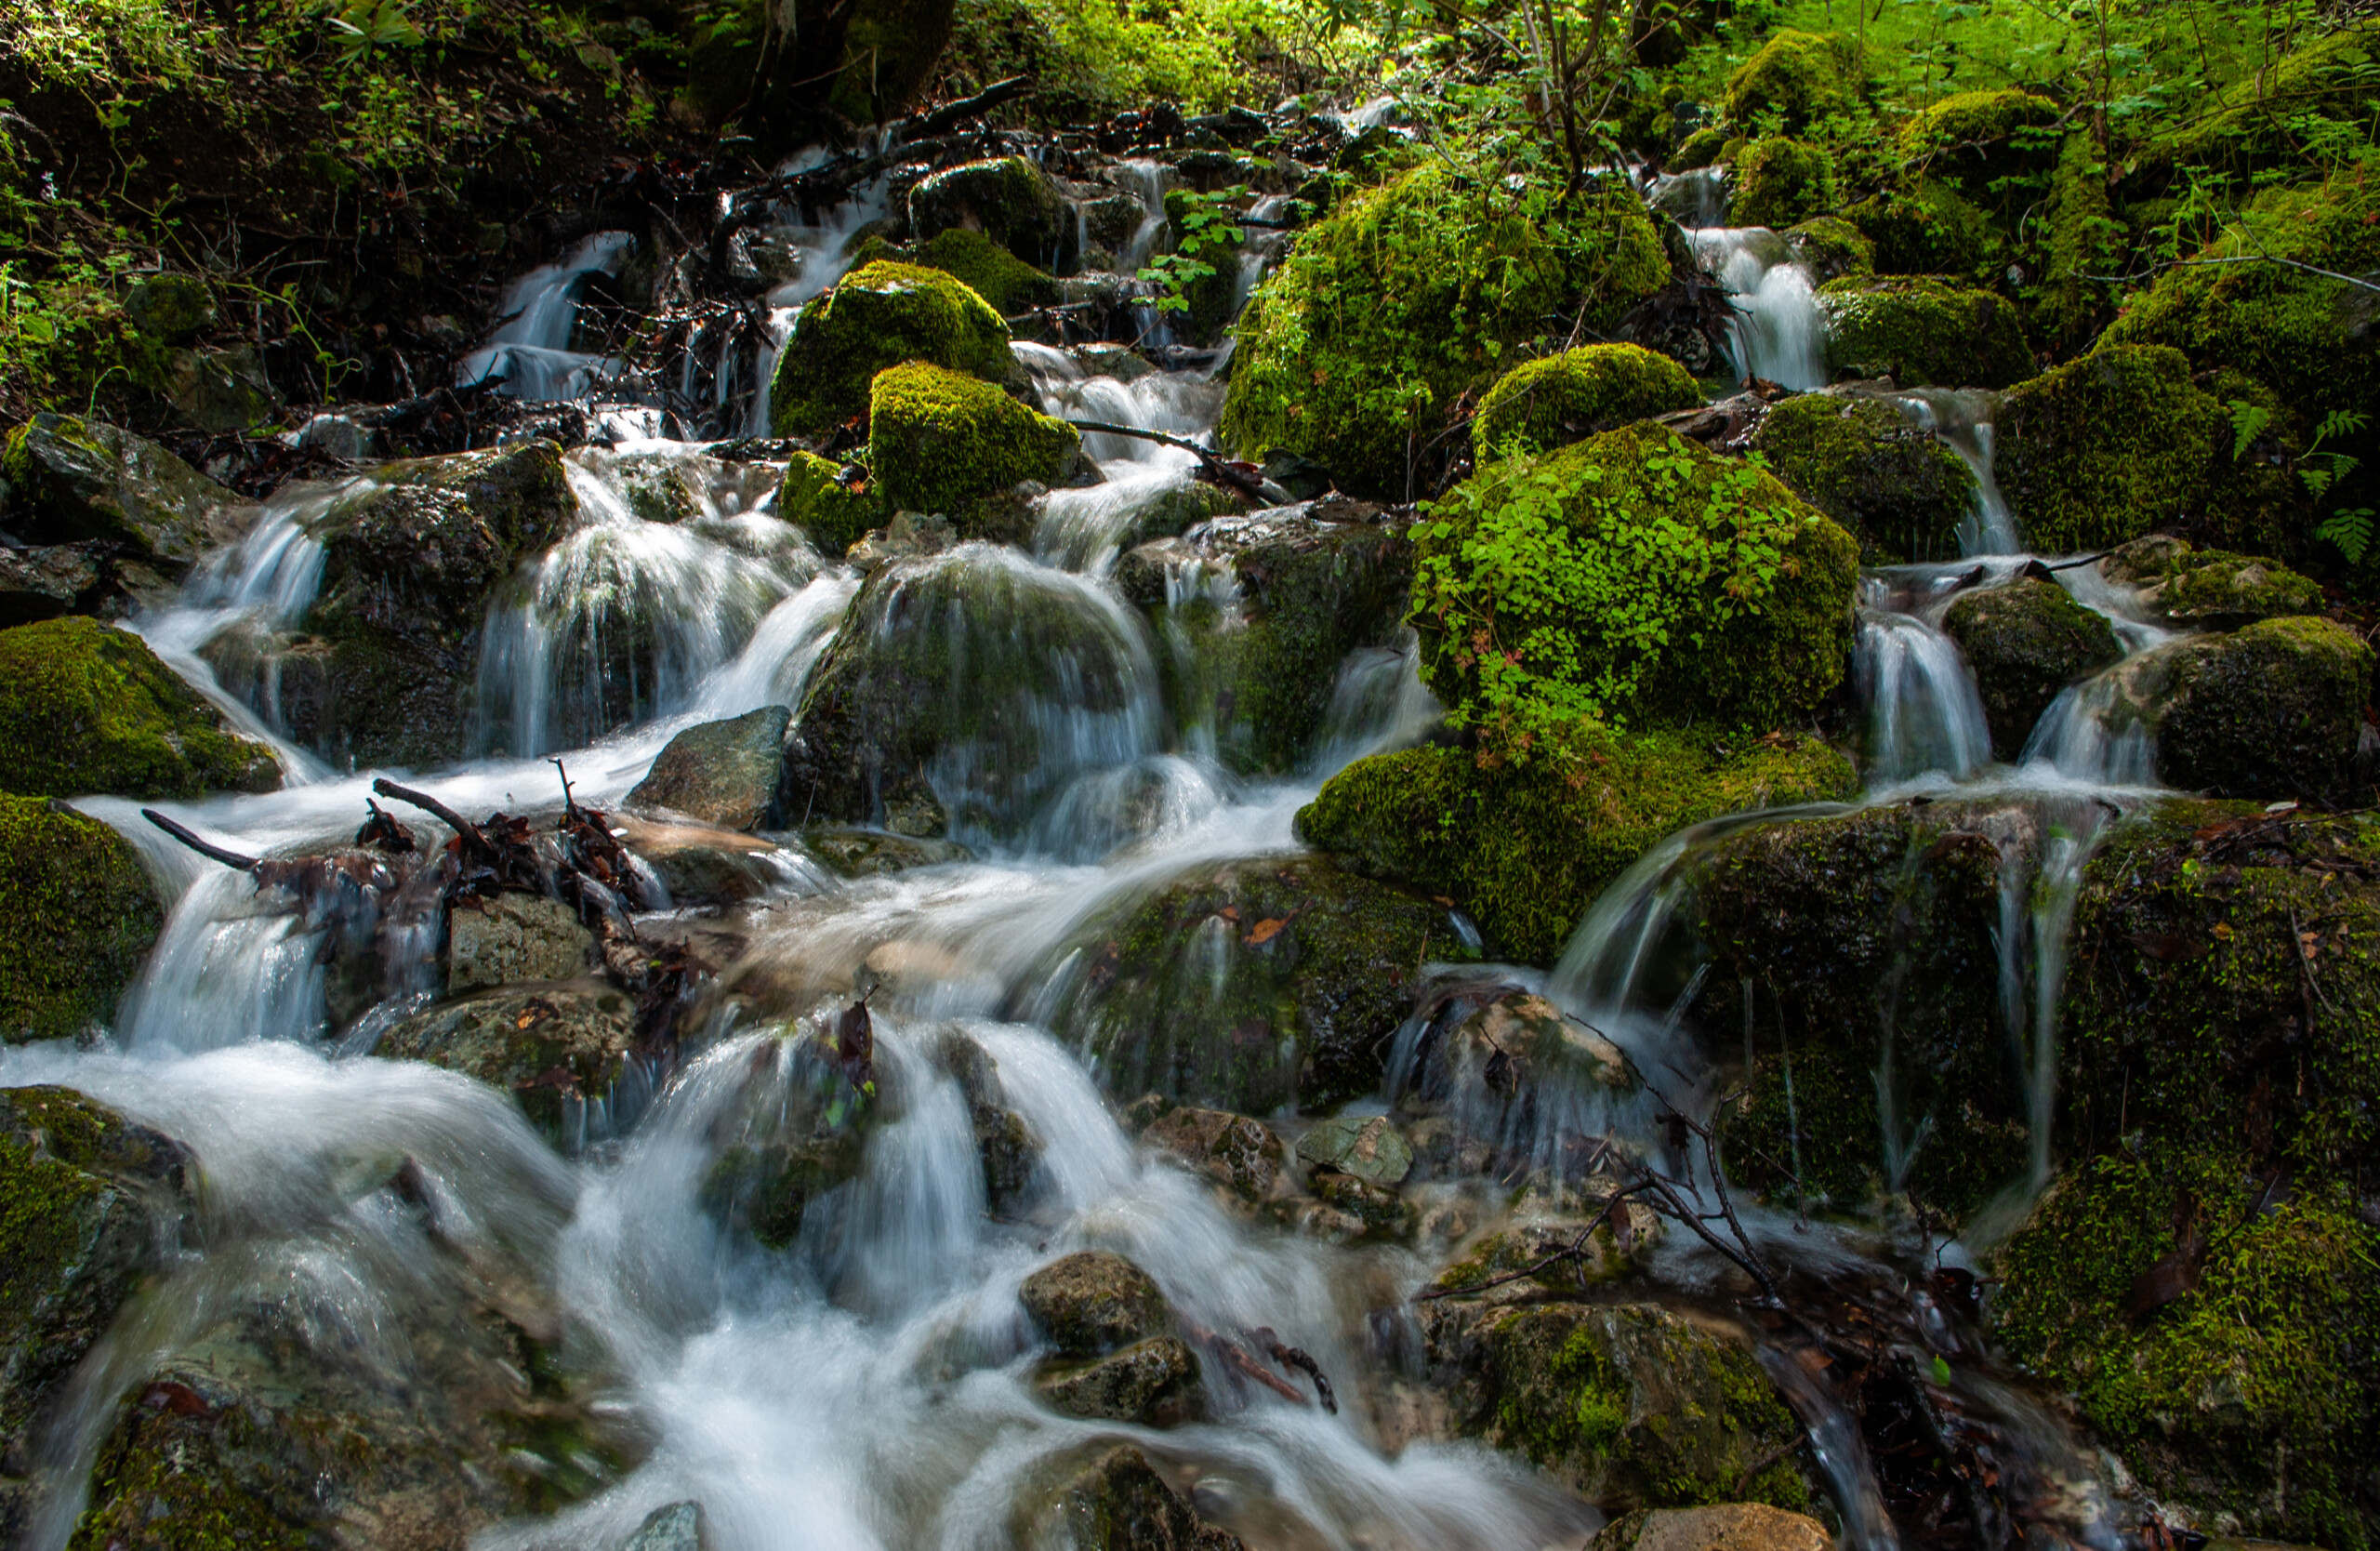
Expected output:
(1119, 1503)
(1241, 1154)
(44, 583)
(84, 480)
(543, 1046)
(1092, 1303)
(336, 436)
(514, 937)
(1366, 1146)
(1008, 1150)
(723, 773)
(1154, 1383)
(857, 852)
(678, 1527)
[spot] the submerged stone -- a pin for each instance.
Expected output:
(1092, 1303)
(1154, 1383)
(86, 708)
(1898, 490)
(677, 1527)
(1921, 332)
(1119, 1503)
(1010, 1153)
(550, 1047)
(2027, 641)
(723, 773)
(81, 916)
(795, 1136)
(878, 317)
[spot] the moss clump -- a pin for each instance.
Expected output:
(1899, 490)
(1832, 248)
(1008, 282)
(2103, 449)
(1356, 347)
(1781, 180)
(814, 499)
(1525, 849)
(2082, 241)
(2273, 710)
(2211, 589)
(1968, 122)
(1923, 332)
(1800, 76)
(1547, 404)
(82, 915)
(940, 440)
(880, 316)
(1012, 203)
(1698, 150)
(2027, 641)
(1634, 575)
(86, 708)
(1928, 228)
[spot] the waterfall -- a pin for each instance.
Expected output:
(530, 350)
(1924, 717)
(1778, 333)
(1962, 418)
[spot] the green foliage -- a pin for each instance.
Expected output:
(84, 708)
(2349, 529)
(1090, 59)
(1204, 223)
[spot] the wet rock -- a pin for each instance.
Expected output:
(93, 1202)
(1631, 1405)
(81, 914)
(2273, 710)
(2104, 449)
(1366, 1147)
(1009, 200)
(723, 773)
(87, 708)
(1092, 1303)
(702, 865)
(1720, 1527)
(1349, 1209)
(1895, 489)
(1564, 1254)
(514, 937)
(941, 441)
(2211, 589)
(678, 1527)
(1565, 398)
(1514, 1067)
(1242, 1155)
(221, 392)
(1831, 248)
(1119, 1503)
(1921, 331)
(1779, 181)
(1252, 985)
(796, 1134)
(338, 436)
(1010, 1151)
(84, 480)
(875, 317)
(2027, 641)
(835, 512)
(1154, 1383)
(908, 536)
(37, 584)
(551, 1049)
(878, 853)
(170, 308)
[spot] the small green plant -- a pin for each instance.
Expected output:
(2349, 529)
(2248, 422)
(1207, 224)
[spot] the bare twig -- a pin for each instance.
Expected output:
(1250, 488)
(211, 852)
(464, 831)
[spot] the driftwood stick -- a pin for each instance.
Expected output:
(1215, 465)
(983, 101)
(211, 852)
(468, 832)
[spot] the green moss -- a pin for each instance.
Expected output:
(2104, 449)
(86, 708)
(1800, 76)
(1831, 247)
(877, 317)
(2026, 643)
(1525, 849)
(2082, 244)
(941, 441)
(1698, 150)
(1356, 347)
(1011, 202)
(166, 1481)
(2211, 589)
(1899, 490)
(82, 915)
(1969, 121)
(1547, 404)
(77, 479)
(2271, 711)
(1008, 282)
(2263, 118)
(1927, 228)
(1924, 332)
(834, 514)
(1780, 182)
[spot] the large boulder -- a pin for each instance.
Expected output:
(554, 1049)
(1919, 331)
(942, 441)
(1252, 985)
(1781, 181)
(1927, 228)
(1560, 399)
(878, 316)
(2026, 643)
(1009, 200)
(1523, 849)
(84, 480)
(2273, 710)
(1896, 488)
(87, 708)
(81, 914)
(722, 772)
(2104, 449)
(1801, 78)
(2211, 589)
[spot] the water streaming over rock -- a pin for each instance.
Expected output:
(1778, 333)
(1962, 418)
(530, 350)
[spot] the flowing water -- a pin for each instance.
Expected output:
(1778, 333)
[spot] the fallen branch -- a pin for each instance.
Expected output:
(211, 852)
(951, 113)
(1252, 489)
(464, 831)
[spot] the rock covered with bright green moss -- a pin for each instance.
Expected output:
(1524, 850)
(1896, 488)
(1927, 228)
(875, 317)
(1559, 399)
(1008, 199)
(1831, 248)
(85, 479)
(1781, 180)
(86, 708)
(2271, 711)
(2026, 643)
(1921, 332)
(2209, 588)
(82, 915)
(1408, 294)
(941, 441)
(2103, 449)
(833, 512)
(1008, 283)
(1959, 128)
(1802, 77)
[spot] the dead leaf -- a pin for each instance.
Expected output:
(1266, 931)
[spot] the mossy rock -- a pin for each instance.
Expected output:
(86, 708)
(1923, 332)
(1677, 521)
(1831, 248)
(834, 514)
(1869, 944)
(82, 916)
(1964, 128)
(878, 316)
(1404, 297)
(941, 441)
(1800, 76)
(170, 308)
(1896, 488)
(1781, 180)
(1522, 849)
(2273, 710)
(2027, 641)
(1010, 201)
(1927, 228)
(2252, 122)
(1093, 1302)
(1314, 583)
(1550, 403)
(1010, 284)
(1116, 1500)
(554, 1048)
(2211, 589)
(2084, 243)
(1698, 150)
(1629, 1404)
(2104, 449)
(84, 480)
(1253, 985)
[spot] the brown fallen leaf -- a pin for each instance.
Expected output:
(1266, 931)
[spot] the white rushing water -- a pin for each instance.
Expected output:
(1778, 333)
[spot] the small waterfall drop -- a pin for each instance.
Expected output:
(1924, 717)
(530, 350)
(1778, 334)
(1962, 418)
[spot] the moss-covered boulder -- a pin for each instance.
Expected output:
(1525, 849)
(93, 1204)
(1009, 200)
(1550, 403)
(2273, 710)
(1970, 132)
(1259, 612)
(2027, 641)
(2211, 589)
(1119, 1501)
(1636, 575)
(878, 316)
(1628, 1403)
(1831, 247)
(83, 480)
(81, 913)
(2103, 449)
(1896, 488)
(86, 708)
(1781, 180)
(2083, 248)
(833, 512)
(1253, 985)
(1356, 347)
(990, 271)
(555, 1049)
(1921, 332)
(1802, 77)
(1927, 228)
(723, 773)
(941, 441)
